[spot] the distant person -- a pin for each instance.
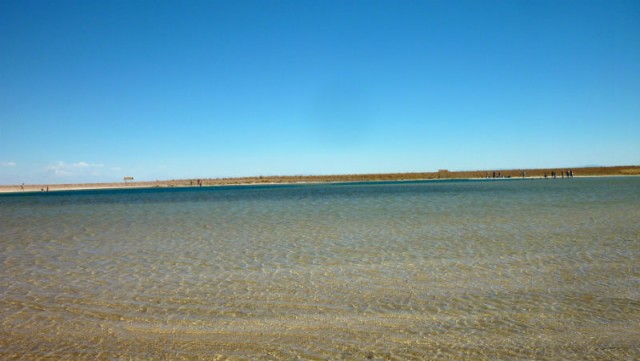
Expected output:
(22, 187)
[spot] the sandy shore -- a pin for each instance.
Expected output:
(442, 174)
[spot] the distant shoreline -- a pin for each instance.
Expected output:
(340, 178)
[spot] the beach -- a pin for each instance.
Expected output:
(320, 180)
(442, 174)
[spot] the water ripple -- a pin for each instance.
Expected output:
(444, 271)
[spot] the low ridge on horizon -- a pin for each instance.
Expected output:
(291, 179)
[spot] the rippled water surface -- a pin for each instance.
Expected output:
(452, 270)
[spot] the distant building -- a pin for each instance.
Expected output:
(127, 179)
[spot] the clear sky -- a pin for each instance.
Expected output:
(99, 90)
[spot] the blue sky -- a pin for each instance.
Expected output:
(98, 90)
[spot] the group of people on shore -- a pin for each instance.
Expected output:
(554, 174)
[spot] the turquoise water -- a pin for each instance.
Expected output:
(451, 270)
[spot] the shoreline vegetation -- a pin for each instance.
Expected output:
(339, 178)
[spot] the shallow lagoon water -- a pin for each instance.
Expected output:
(442, 270)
